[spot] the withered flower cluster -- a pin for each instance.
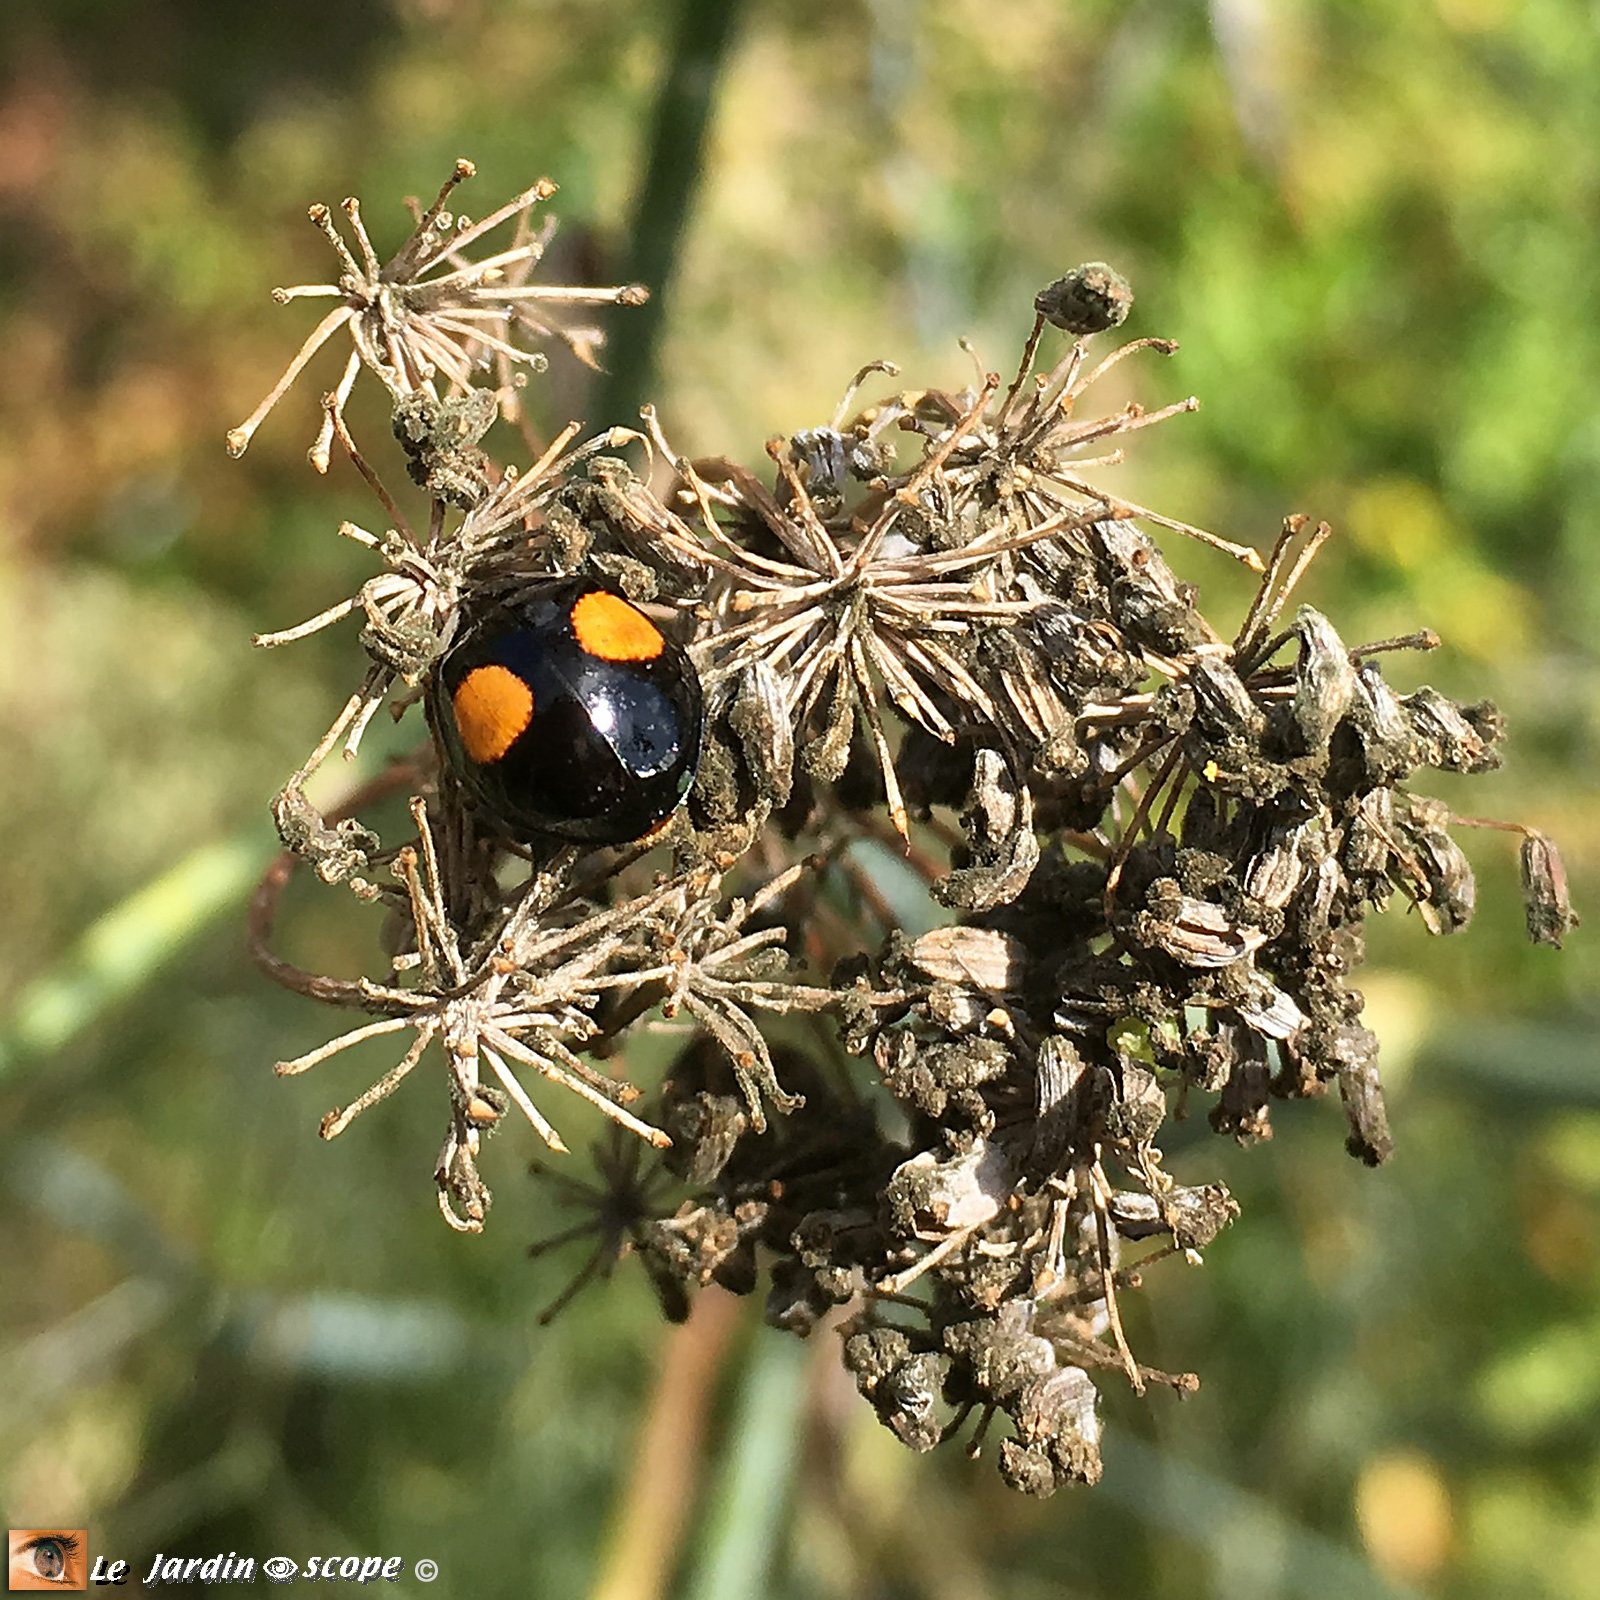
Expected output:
(951, 685)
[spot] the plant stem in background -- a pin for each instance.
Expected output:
(749, 1504)
(677, 145)
(118, 953)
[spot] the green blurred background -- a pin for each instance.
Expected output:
(1370, 225)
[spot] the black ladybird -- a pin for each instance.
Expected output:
(567, 711)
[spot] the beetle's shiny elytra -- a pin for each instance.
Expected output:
(567, 711)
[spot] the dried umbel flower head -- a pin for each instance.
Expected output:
(432, 314)
(1146, 847)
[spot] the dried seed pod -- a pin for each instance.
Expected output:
(1444, 736)
(1384, 747)
(1196, 1216)
(930, 1198)
(440, 439)
(1544, 891)
(1058, 1424)
(908, 1402)
(1072, 1100)
(1361, 1090)
(1000, 1355)
(1242, 1110)
(1224, 740)
(1135, 1117)
(1089, 299)
(1434, 870)
(1003, 847)
(872, 1355)
(1324, 680)
(976, 958)
(1223, 707)
(760, 717)
(1195, 932)
(1267, 1008)
(1147, 603)
(1317, 905)
(1278, 868)
(1369, 835)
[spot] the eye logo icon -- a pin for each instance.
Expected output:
(280, 1569)
(47, 1558)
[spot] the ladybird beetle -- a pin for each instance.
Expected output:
(567, 711)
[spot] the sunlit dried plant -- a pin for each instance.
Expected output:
(1143, 848)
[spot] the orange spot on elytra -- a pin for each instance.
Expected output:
(492, 706)
(608, 627)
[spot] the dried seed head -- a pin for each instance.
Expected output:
(1131, 856)
(431, 314)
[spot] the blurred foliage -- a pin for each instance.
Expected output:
(1371, 228)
